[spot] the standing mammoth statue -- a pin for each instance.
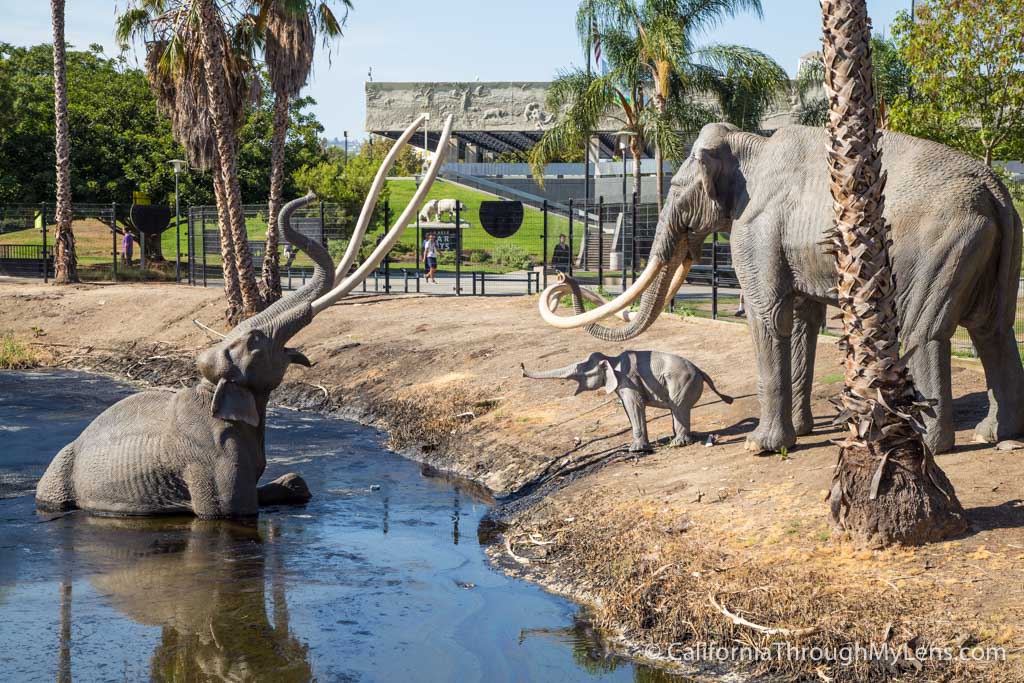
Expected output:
(641, 379)
(956, 257)
(201, 449)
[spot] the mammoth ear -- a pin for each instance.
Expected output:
(297, 357)
(710, 172)
(234, 403)
(611, 377)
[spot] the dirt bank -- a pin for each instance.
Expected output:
(662, 546)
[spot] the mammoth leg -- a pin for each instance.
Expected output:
(930, 368)
(682, 436)
(771, 328)
(808, 317)
(636, 411)
(1004, 376)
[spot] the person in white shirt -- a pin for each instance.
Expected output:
(430, 257)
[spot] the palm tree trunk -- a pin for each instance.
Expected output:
(65, 262)
(271, 283)
(232, 291)
(212, 46)
(886, 487)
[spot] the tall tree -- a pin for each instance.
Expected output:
(966, 61)
(659, 80)
(887, 487)
(65, 261)
(199, 62)
(291, 28)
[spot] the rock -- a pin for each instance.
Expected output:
(289, 489)
(1009, 445)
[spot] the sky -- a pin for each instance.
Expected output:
(446, 40)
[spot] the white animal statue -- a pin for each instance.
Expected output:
(429, 209)
(435, 208)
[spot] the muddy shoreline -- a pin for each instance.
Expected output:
(665, 550)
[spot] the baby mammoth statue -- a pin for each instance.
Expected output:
(641, 379)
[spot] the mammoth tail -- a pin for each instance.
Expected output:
(725, 398)
(55, 491)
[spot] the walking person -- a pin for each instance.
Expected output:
(127, 244)
(430, 257)
(561, 255)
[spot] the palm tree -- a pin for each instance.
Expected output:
(65, 262)
(291, 27)
(176, 69)
(658, 80)
(887, 487)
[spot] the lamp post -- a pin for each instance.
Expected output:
(178, 164)
(624, 136)
(346, 147)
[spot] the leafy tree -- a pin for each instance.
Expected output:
(658, 78)
(967, 69)
(348, 184)
(891, 82)
(886, 487)
(122, 141)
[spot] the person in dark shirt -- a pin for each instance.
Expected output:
(561, 255)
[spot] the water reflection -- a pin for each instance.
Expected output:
(203, 583)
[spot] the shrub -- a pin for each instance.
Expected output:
(483, 256)
(446, 258)
(14, 355)
(513, 256)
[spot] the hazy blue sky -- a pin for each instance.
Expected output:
(446, 40)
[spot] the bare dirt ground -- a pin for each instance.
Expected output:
(667, 548)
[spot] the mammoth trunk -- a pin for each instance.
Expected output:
(558, 373)
(673, 269)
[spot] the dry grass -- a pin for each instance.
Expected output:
(661, 582)
(14, 355)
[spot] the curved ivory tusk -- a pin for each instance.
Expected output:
(679, 278)
(351, 282)
(371, 200)
(620, 303)
(554, 294)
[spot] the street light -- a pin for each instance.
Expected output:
(346, 147)
(178, 164)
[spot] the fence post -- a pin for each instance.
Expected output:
(632, 239)
(46, 266)
(622, 246)
(419, 242)
(714, 276)
(188, 246)
(204, 246)
(571, 220)
(142, 256)
(544, 242)
(387, 256)
(600, 242)
(323, 227)
(458, 249)
(113, 236)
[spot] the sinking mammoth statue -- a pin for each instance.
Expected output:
(201, 449)
(956, 257)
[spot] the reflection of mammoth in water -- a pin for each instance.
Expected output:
(203, 583)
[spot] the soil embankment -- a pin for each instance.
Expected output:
(675, 550)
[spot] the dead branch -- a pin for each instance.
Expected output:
(740, 621)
